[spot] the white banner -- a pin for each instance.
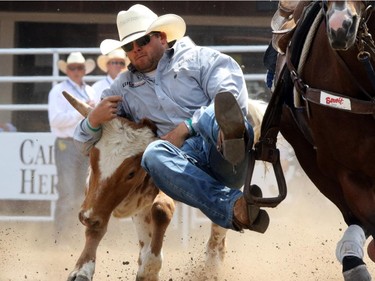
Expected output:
(27, 166)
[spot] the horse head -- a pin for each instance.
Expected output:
(343, 19)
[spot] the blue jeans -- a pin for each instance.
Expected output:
(197, 174)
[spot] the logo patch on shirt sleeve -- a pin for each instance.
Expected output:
(132, 84)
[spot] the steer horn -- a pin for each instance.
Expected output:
(81, 107)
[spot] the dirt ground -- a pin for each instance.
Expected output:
(299, 245)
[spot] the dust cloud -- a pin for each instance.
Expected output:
(299, 245)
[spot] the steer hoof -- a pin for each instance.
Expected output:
(359, 273)
(78, 278)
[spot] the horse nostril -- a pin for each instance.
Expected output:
(347, 24)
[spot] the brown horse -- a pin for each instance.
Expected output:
(327, 88)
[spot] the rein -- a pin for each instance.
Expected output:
(364, 38)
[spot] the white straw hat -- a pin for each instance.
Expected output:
(138, 21)
(76, 57)
(102, 60)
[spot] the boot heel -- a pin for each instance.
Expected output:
(234, 150)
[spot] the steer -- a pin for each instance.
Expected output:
(118, 185)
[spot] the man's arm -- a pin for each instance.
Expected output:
(89, 131)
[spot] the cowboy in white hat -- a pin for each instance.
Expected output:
(71, 165)
(198, 99)
(112, 64)
(76, 61)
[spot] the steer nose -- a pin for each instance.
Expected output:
(89, 220)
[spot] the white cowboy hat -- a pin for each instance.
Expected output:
(138, 21)
(102, 60)
(76, 57)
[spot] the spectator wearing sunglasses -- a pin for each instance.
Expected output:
(111, 64)
(197, 98)
(71, 165)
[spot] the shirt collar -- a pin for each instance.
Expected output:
(109, 78)
(75, 84)
(181, 44)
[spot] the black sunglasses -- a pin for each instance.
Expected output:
(117, 63)
(74, 68)
(143, 41)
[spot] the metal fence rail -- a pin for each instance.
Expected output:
(55, 78)
(183, 212)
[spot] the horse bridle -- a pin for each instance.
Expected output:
(358, 106)
(366, 3)
(365, 45)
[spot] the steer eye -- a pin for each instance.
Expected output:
(131, 175)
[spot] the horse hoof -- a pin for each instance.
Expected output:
(359, 273)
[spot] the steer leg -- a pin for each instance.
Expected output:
(85, 266)
(215, 251)
(151, 224)
(216, 246)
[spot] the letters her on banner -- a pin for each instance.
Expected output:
(27, 166)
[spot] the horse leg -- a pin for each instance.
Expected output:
(349, 252)
(216, 246)
(352, 267)
(151, 224)
(85, 266)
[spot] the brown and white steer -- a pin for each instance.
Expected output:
(118, 185)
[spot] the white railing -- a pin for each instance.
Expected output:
(54, 78)
(187, 213)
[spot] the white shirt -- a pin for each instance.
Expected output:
(101, 85)
(63, 118)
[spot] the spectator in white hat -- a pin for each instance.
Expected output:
(71, 165)
(197, 98)
(111, 64)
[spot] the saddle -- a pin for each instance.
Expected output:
(308, 12)
(265, 149)
(284, 22)
(283, 25)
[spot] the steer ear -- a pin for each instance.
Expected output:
(81, 107)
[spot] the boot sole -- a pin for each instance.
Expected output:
(232, 124)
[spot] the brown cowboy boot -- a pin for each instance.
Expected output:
(231, 141)
(246, 216)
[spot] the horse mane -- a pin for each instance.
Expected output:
(255, 113)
